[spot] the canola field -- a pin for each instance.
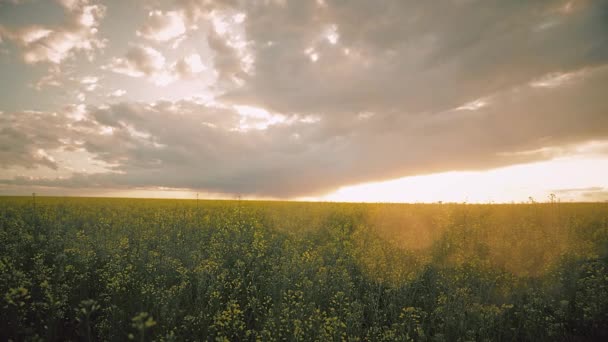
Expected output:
(92, 269)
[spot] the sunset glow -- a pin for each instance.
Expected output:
(585, 180)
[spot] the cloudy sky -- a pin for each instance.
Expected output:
(388, 100)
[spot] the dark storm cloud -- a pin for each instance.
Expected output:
(364, 91)
(411, 56)
(24, 137)
(201, 147)
(592, 194)
(576, 190)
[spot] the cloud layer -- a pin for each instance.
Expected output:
(314, 95)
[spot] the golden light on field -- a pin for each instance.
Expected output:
(569, 178)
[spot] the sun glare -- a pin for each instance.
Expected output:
(568, 178)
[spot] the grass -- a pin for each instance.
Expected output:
(173, 270)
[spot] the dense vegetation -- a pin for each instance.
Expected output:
(169, 270)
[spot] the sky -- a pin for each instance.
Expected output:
(330, 100)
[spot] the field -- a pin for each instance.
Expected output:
(174, 270)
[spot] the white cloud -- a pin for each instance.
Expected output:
(332, 35)
(88, 16)
(473, 105)
(90, 83)
(189, 66)
(54, 44)
(139, 61)
(163, 26)
(195, 63)
(72, 5)
(117, 93)
(254, 118)
(142, 61)
(555, 79)
(233, 56)
(32, 34)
